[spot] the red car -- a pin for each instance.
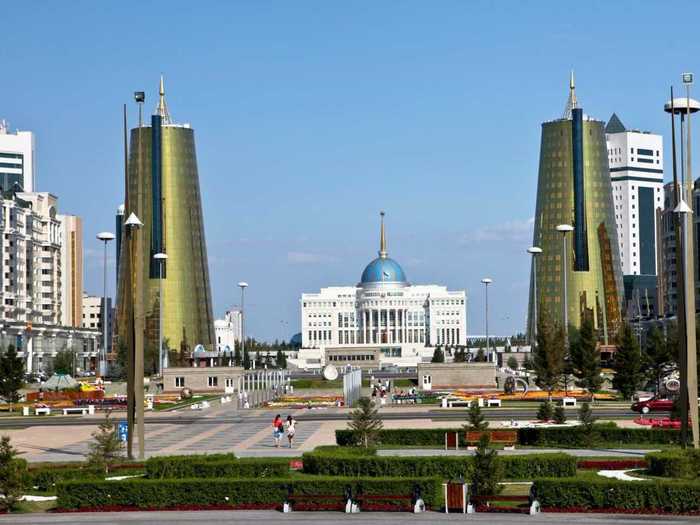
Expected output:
(653, 405)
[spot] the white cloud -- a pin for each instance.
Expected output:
(516, 230)
(308, 258)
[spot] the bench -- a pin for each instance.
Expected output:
(525, 504)
(75, 410)
(493, 403)
(568, 402)
(45, 411)
(504, 437)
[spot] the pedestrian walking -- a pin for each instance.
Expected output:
(291, 429)
(277, 430)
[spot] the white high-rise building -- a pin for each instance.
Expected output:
(636, 161)
(17, 162)
(93, 309)
(383, 320)
(228, 331)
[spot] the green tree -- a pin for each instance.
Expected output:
(480, 356)
(246, 359)
(559, 415)
(657, 358)
(549, 354)
(475, 418)
(281, 359)
(365, 423)
(487, 469)
(11, 375)
(13, 475)
(585, 357)
(628, 363)
(64, 362)
(528, 363)
(268, 360)
(106, 449)
(545, 411)
(438, 355)
(512, 363)
(237, 359)
(460, 355)
(585, 415)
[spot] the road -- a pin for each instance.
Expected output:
(333, 518)
(185, 418)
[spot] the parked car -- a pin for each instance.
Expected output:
(653, 405)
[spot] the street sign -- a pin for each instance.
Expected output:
(123, 430)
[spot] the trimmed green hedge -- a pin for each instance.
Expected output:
(446, 467)
(251, 493)
(607, 433)
(675, 463)
(45, 479)
(178, 467)
(578, 494)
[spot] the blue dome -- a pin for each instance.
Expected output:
(383, 270)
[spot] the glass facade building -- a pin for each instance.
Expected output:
(163, 191)
(574, 188)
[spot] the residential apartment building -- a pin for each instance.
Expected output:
(93, 312)
(71, 270)
(17, 162)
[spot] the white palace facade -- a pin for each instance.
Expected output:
(382, 321)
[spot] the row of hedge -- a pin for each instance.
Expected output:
(44, 478)
(240, 493)
(219, 466)
(577, 495)
(675, 463)
(445, 467)
(570, 436)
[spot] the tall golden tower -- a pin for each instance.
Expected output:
(163, 192)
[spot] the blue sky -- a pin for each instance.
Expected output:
(311, 117)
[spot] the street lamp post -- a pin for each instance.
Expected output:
(564, 229)
(105, 237)
(243, 285)
(161, 258)
(534, 251)
(486, 282)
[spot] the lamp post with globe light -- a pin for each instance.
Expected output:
(564, 229)
(161, 258)
(243, 285)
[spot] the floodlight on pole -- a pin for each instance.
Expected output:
(534, 251)
(564, 229)
(243, 285)
(105, 237)
(486, 281)
(160, 258)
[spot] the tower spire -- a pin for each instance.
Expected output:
(382, 238)
(162, 108)
(571, 102)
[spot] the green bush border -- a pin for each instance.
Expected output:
(220, 466)
(221, 493)
(683, 464)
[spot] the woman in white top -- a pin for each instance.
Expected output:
(291, 429)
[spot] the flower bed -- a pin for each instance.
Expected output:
(294, 401)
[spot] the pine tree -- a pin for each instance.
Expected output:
(559, 415)
(549, 354)
(438, 356)
(13, 475)
(63, 362)
(281, 359)
(106, 448)
(246, 359)
(365, 423)
(585, 357)
(585, 417)
(237, 360)
(480, 356)
(476, 420)
(657, 358)
(11, 375)
(545, 411)
(512, 363)
(628, 363)
(268, 360)
(487, 469)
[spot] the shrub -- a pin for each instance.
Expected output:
(579, 494)
(675, 463)
(205, 467)
(236, 493)
(545, 411)
(607, 433)
(45, 478)
(106, 448)
(524, 467)
(365, 423)
(13, 475)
